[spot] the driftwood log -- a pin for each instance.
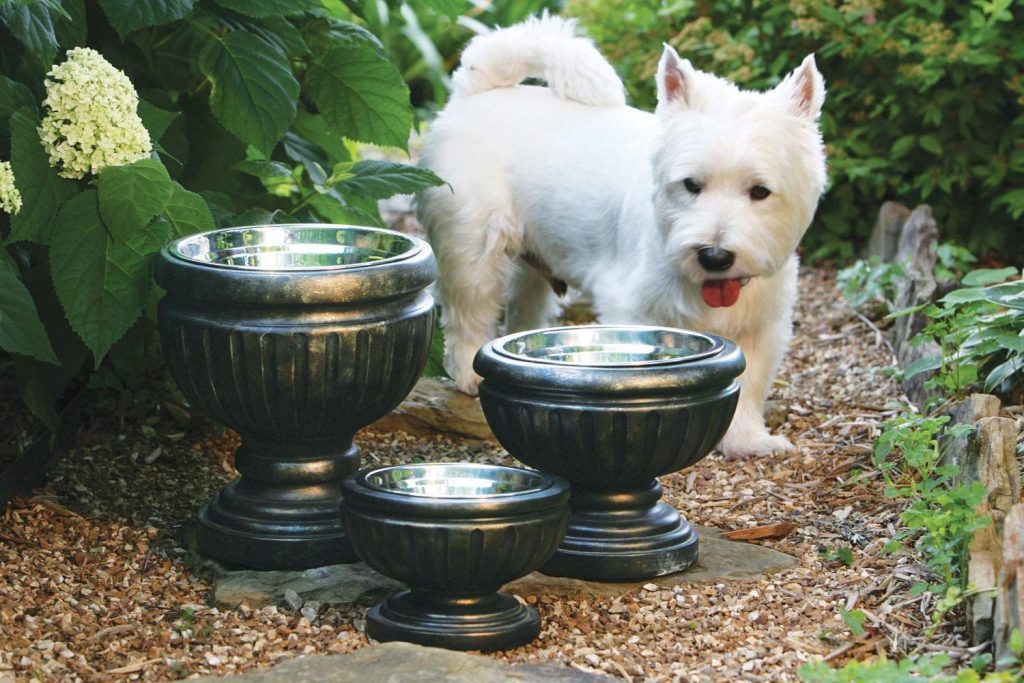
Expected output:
(988, 455)
(1009, 604)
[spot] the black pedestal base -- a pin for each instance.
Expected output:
(293, 523)
(495, 621)
(623, 536)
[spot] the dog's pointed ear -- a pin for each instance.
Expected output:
(675, 80)
(804, 89)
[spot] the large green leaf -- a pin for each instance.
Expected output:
(21, 330)
(276, 31)
(155, 119)
(187, 213)
(261, 168)
(13, 96)
(269, 8)
(33, 24)
(72, 29)
(41, 384)
(362, 95)
(987, 276)
(253, 93)
(42, 190)
(331, 33)
(100, 282)
(127, 16)
(313, 128)
(380, 179)
(1010, 294)
(130, 196)
(335, 209)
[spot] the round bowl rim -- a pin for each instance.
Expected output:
(543, 480)
(717, 345)
(415, 244)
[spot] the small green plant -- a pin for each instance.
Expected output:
(979, 329)
(186, 620)
(870, 282)
(842, 554)
(854, 620)
(952, 261)
(930, 668)
(941, 516)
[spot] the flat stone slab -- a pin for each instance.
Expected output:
(435, 406)
(407, 663)
(336, 584)
(720, 560)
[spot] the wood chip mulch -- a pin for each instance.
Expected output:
(94, 587)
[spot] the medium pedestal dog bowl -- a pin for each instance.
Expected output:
(454, 533)
(296, 336)
(610, 408)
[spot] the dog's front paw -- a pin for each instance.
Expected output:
(749, 445)
(459, 366)
(468, 384)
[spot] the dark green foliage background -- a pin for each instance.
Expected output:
(251, 106)
(925, 98)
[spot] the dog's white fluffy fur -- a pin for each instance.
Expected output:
(566, 182)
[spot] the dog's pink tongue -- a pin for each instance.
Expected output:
(720, 293)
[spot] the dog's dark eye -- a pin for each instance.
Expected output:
(759, 192)
(692, 185)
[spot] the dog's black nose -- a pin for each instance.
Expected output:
(715, 259)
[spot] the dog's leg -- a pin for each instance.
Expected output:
(475, 262)
(748, 435)
(532, 302)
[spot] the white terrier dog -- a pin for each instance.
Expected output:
(688, 217)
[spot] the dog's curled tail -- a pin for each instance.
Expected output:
(546, 48)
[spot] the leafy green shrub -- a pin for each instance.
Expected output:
(979, 329)
(941, 515)
(924, 98)
(870, 282)
(247, 111)
(928, 668)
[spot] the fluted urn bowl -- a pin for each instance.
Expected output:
(454, 533)
(296, 336)
(610, 409)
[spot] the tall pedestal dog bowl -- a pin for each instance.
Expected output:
(296, 336)
(610, 408)
(454, 533)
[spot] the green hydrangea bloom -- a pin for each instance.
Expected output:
(91, 120)
(10, 198)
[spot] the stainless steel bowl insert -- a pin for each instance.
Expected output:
(609, 346)
(454, 480)
(294, 247)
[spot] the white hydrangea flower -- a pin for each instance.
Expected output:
(91, 120)
(10, 198)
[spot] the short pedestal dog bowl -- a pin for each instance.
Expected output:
(454, 533)
(610, 408)
(296, 336)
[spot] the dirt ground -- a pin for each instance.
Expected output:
(94, 587)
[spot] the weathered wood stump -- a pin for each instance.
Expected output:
(885, 237)
(916, 253)
(986, 455)
(1009, 607)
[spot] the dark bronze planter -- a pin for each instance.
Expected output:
(454, 533)
(610, 409)
(296, 336)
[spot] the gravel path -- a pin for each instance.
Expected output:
(93, 586)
